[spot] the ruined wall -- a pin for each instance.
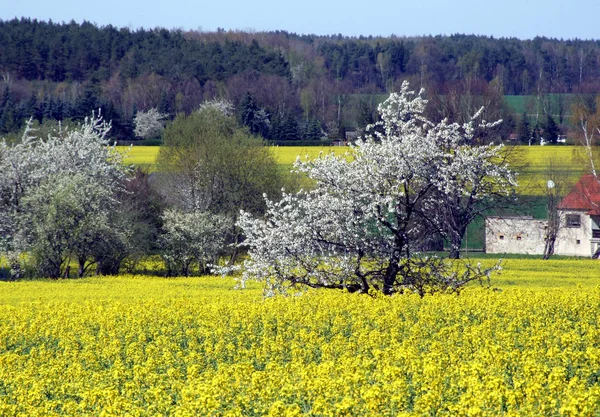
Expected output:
(523, 235)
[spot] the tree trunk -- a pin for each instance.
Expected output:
(454, 252)
(81, 269)
(549, 247)
(390, 276)
(456, 239)
(596, 254)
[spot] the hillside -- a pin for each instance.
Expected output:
(306, 84)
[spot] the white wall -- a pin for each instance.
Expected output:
(515, 235)
(574, 241)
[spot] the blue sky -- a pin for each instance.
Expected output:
(500, 18)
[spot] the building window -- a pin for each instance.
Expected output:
(518, 237)
(573, 220)
(501, 237)
(578, 242)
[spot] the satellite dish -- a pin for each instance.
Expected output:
(550, 184)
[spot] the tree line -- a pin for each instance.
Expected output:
(300, 86)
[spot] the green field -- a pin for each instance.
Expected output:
(532, 106)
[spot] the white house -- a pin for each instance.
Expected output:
(578, 234)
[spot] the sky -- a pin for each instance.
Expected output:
(524, 19)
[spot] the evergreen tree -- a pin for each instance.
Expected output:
(164, 105)
(536, 134)
(524, 130)
(60, 111)
(276, 128)
(8, 117)
(365, 115)
(29, 108)
(312, 130)
(89, 101)
(252, 116)
(290, 129)
(47, 108)
(6, 97)
(551, 130)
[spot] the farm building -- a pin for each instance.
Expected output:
(515, 235)
(578, 233)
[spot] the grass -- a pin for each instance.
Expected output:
(531, 105)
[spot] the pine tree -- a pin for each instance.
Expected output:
(89, 101)
(164, 105)
(8, 117)
(248, 114)
(276, 130)
(524, 130)
(551, 130)
(47, 108)
(290, 128)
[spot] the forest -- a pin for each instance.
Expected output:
(285, 86)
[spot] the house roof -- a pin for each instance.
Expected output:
(584, 196)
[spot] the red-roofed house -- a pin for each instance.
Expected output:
(578, 233)
(579, 211)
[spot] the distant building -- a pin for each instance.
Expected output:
(578, 234)
(351, 136)
(579, 211)
(524, 235)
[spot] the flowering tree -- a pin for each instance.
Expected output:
(225, 107)
(59, 190)
(65, 218)
(195, 237)
(359, 227)
(148, 124)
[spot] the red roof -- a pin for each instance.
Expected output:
(584, 196)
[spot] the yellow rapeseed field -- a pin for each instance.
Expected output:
(145, 156)
(530, 161)
(195, 347)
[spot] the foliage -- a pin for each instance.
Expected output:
(192, 238)
(59, 199)
(361, 224)
(58, 71)
(64, 217)
(225, 107)
(208, 163)
(551, 130)
(216, 165)
(145, 346)
(253, 117)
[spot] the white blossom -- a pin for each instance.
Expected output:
(83, 153)
(149, 124)
(192, 238)
(359, 227)
(224, 106)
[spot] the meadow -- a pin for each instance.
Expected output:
(531, 162)
(195, 346)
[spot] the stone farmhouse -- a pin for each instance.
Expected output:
(578, 233)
